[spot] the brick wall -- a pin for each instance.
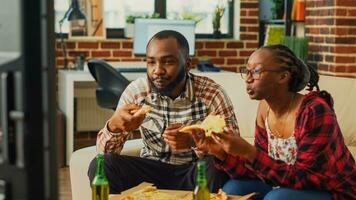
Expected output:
(229, 54)
(331, 29)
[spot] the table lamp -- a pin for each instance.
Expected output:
(73, 13)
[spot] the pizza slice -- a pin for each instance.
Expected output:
(143, 110)
(212, 123)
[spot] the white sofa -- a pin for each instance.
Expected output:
(342, 89)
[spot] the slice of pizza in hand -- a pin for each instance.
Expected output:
(143, 110)
(212, 123)
(191, 128)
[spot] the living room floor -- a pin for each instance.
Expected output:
(64, 189)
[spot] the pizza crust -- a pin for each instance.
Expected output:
(143, 110)
(212, 123)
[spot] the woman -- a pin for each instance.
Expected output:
(299, 151)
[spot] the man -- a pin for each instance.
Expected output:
(178, 98)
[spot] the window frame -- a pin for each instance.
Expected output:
(160, 6)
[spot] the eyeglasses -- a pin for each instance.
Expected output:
(256, 73)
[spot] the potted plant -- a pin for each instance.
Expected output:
(190, 16)
(130, 20)
(217, 15)
(129, 28)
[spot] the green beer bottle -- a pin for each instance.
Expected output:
(201, 191)
(100, 184)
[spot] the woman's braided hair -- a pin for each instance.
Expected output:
(298, 69)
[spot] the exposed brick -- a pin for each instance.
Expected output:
(341, 40)
(344, 59)
(245, 53)
(252, 29)
(243, 13)
(233, 45)
(243, 28)
(100, 54)
(351, 13)
(122, 53)
(351, 69)
(78, 53)
(315, 30)
(352, 31)
(346, 22)
(69, 45)
(131, 59)
(248, 37)
(199, 45)
(324, 31)
(214, 45)
(227, 53)
(253, 45)
(252, 13)
(347, 3)
(59, 53)
(127, 45)
(248, 21)
(323, 21)
(313, 47)
(249, 5)
(337, 68)
(60, 63)
(315, 57)
(210, 53)
(329, 58)
(318, 39)
(341, 12)
(218, 61)
(234, 61)
(340, 31)
(110, 45)
(347, 49)
(88, 45)
(323, 67)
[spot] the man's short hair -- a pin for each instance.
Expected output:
(181, 40)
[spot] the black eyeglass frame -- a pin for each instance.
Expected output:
(256, 73)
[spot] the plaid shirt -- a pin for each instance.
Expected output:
(323, 160)
(201, 96)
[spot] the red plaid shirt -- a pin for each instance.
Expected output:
(323, 160)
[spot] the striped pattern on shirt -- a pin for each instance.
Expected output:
(200, 97)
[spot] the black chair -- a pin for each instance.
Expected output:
(110, 83)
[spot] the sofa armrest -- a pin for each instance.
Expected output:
(79, 164)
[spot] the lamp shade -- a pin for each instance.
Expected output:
(75, 13)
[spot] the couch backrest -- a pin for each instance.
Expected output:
(343, 91)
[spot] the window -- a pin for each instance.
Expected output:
(201, 10)
(115, 12)
(60, 7)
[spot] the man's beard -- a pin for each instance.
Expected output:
(166, 91)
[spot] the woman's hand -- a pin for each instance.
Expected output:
(207, 144)
(233, 144)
